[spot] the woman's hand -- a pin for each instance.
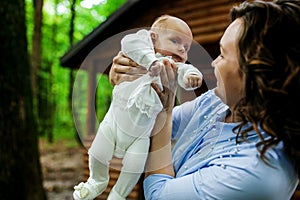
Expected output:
(168, 77)
(124, 69)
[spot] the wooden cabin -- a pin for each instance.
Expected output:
(208, 20)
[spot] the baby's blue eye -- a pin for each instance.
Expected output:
(174, 41)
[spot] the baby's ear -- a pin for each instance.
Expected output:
(153, 36)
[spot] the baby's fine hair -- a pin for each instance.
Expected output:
(160, 22)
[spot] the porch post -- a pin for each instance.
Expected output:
(91, 112)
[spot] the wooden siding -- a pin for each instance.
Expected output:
(207, 18)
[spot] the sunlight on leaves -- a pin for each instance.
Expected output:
(90, 3)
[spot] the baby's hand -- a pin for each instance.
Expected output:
(193, 81)
(155, 68)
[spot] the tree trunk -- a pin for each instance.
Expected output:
(36, 53)
(20, 169)
(44, 76)
(71, 73)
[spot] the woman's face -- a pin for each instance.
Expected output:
(230, 80)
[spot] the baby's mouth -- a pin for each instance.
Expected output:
(176, 58)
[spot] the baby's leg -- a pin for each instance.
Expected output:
(133, 166)
(100, 154)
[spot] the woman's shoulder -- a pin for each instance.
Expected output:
(208, 96)
(209, 102)
(206, 101)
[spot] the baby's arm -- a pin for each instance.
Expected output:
(139, 47)
(193, 81)
(189, 77)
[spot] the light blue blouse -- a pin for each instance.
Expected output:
(209, 164)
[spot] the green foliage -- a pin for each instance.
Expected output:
(88, 19)
(55, 42)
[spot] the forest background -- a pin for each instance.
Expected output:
(63, 24)
(36, 92)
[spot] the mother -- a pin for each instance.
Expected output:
(241, 139)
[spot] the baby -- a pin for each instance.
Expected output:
(126, 128)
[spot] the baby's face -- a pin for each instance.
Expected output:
(174, 41)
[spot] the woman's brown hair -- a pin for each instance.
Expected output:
(269, 50)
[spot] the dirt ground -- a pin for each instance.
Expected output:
(62, 169)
